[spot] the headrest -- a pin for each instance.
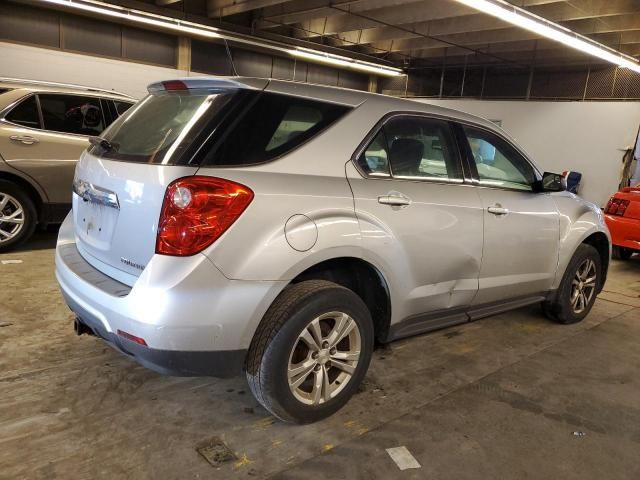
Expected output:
(406, 156)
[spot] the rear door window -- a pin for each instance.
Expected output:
(25, 113)
(109, 111)
(374, 161)
(76, 114)
(412, 147)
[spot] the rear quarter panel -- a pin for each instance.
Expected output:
(309, 181)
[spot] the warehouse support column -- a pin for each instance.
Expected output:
(373, 84)
(184, 54)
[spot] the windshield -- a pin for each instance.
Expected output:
(159, 128)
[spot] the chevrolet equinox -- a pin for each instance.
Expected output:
(241, 225)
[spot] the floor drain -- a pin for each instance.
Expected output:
(216, 452)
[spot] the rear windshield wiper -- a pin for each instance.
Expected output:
(102, 142)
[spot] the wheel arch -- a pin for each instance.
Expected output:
(600, 242)
(34, 193)
(354, 273)
(361, 277)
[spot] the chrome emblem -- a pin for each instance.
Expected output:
(90, 193)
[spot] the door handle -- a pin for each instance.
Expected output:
(498, 209)
(26, 139)
(395, 199)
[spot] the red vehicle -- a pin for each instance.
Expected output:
(622, 214)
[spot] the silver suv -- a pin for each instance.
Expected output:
(44, 127)
(229, 225)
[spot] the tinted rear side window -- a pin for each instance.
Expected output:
(72, 114)
(233, 128)
(25, 113)
(271, 126)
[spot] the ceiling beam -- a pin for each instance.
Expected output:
(613, 24)
(223, 8)
(340, 18)
(556, 12)
(336, 17)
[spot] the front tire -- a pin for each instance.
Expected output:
(310, 352)
(621, 253)
(18, 216)
(577, 293)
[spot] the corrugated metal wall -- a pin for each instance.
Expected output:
(600, 82)
(46, 28)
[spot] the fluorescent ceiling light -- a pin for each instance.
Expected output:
(202, 30)
(347, 62)
(524, 19)
(139, 16)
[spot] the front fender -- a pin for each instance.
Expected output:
(579, 219)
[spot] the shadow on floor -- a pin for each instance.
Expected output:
(42, 239)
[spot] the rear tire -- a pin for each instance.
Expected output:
(310, 352)
(19, 215)
(621, 253)
(580, 283)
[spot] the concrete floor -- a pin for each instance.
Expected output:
(498, 398)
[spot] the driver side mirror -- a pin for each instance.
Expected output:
(552, 182)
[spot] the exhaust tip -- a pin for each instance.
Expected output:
(80, 328)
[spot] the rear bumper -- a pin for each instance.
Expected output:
(225, 363)
(625, 232)
(193, 319)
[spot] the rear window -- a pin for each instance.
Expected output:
(232, 129)
(159, 128)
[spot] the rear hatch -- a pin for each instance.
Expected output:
(121, 180)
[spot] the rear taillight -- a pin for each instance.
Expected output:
(196, 211)
(616, 206)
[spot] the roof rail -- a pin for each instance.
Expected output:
(65, 85)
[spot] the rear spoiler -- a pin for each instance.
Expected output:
(635, 189)
(208, 84)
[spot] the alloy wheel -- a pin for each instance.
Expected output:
(11, 217)
(583, 286)
(324, 358)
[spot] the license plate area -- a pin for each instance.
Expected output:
(95, 224)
